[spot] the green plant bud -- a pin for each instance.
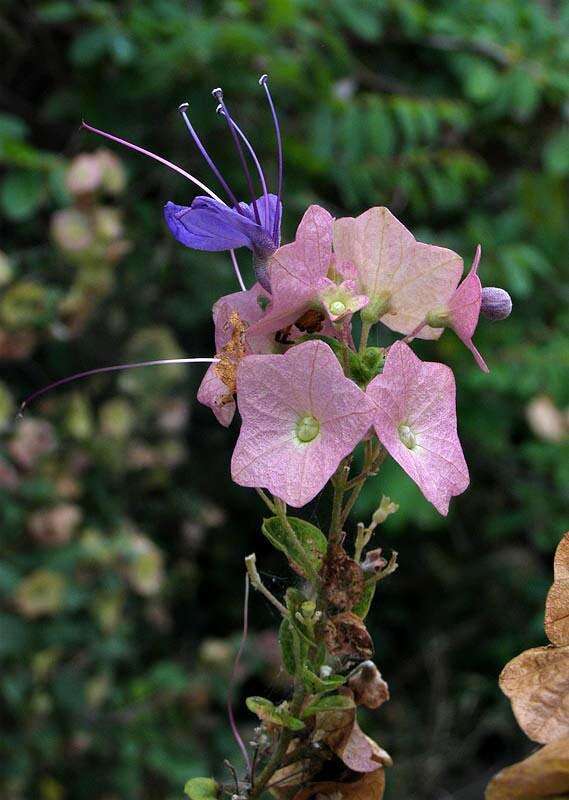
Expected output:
(307, 609)
(376, 308)
(386, 507)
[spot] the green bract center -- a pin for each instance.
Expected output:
(407, 436)
(307, 428)
(337, 307)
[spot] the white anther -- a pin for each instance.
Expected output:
(263, 79)
(183, 107)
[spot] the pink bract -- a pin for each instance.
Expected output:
(415, 420)
(301, 417)
(296, 269)
(410, 277)
(464, 309)
(213, 392)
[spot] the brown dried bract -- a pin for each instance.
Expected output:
(557, 603)
(362, 754)
(370, 786)
(230, 355)
(544, 774)
(537, 684)
(346, 635)
(369, 688)
(342, 578)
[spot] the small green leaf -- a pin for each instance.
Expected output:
(201, 789)
(277, 715)
(362, 608)
(317, 685)
(287, 644)
(336, 703)
(312, 540)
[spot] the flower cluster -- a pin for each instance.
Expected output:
(308, 396)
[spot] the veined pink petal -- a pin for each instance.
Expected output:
(212, 391)
(416, 277)
(295, 270)
(274, 392)
(464, 309)
(415, 420)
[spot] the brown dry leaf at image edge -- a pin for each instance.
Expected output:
(542, 776)
(537, 684)
(368, 787)
(557, 603)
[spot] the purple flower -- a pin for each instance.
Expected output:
(211, 224)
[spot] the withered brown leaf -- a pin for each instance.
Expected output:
(342, 579)
(557, 603)
(543, 775)
(362, 754)
(369, 688)
(537, 684)
(369, 786)
(346, 635)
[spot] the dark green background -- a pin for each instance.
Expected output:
(454, 115)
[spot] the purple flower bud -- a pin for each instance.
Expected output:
(496, 303)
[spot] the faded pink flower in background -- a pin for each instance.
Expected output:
(296, 270)
(415, 420)
(213, 392)
(300, 417)
(403, 278)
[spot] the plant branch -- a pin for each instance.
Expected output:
(257, 583)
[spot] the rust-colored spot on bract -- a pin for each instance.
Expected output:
(230, 355)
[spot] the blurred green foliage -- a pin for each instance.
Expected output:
(122, 537)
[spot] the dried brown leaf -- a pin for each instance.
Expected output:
(346, 635)
(543, 775)
(342, 578)
(362, 754)
(537, 684)
(369, 787)
(369, 688)
(557, 603)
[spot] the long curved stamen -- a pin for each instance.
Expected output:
(114, 368)
(158, 158)
(236, 270)
(256, 161)
(263, 81)
(183, 108)
(218, 94)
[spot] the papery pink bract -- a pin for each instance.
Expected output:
(411, 276)
(213, 392)
(464, 310)
(275, 392)
(296, 269)
(416, 403)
